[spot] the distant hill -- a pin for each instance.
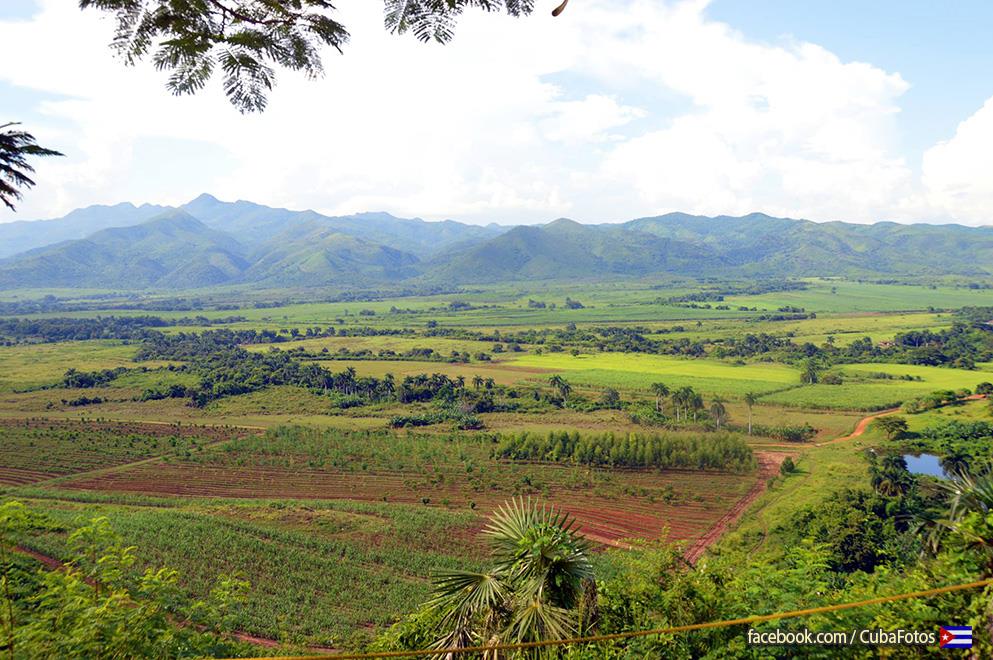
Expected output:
(312, 253)
(174, 250)
(567, 249)
(255, 224)
(760, 244)
(25, 235)
(209, 242)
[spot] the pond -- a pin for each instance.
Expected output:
(928, 464)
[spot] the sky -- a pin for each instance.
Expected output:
(822, 109)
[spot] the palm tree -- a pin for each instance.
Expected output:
(811, 372)
(682, 400)
(695, 403)
(561, 384)
(661, 391)
(477, 382)
(891, 477)
(719, 411)
(15, 147)
(956, 462)
(969, 495)
(750, 400)
(348, 377)
(538, 585)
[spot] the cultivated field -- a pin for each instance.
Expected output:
(339, 520)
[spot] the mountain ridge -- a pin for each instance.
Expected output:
(206, 242)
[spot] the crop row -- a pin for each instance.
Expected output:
(643, 507)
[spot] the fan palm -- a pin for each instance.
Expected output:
(15, 147)
(534, 591)
(970, 501)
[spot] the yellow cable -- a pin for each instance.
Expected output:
(639, 633)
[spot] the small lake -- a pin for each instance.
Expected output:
(928, 464)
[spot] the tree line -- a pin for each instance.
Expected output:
(663, 451)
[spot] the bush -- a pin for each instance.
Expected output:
(469, 423)
(795, 433)
(403, 421)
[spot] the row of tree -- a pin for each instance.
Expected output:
(662, 451)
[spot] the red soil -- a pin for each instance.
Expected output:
(606, 515)
(768, 466)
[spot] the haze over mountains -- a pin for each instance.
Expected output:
(208, 242)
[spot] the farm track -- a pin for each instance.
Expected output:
(769, 463)
(699, 547)
(863, 423)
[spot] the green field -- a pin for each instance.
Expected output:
(363, 563)
(844, 296)
(640, 371)
(341, 522)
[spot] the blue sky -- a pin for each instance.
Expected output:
(942, 49)
(841, 110)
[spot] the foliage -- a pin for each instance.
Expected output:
(15, 148)
(246, 39)
(961, 444)
(97, 606)
(894, 427)
(788, 432)
(430, 20)
(696, 452)
(535, 590)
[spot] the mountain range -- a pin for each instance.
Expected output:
(208, 242)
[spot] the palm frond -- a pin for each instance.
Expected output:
(537, 620)
(15, 147)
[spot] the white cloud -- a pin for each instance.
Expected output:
(476, 130)
(958, 173)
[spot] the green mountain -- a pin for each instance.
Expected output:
(174, 250)
(255, 224)
(24, 235)
(209, 242)
(311, 253)
(760, 244)
(567, 249)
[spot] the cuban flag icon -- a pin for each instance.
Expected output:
(955, 637)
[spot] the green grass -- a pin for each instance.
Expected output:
(639, 371)
(32, 453)
(934, 378)
(967, 411)
(32, 365)
(821, 471)
(325, 573)
(862, 392)
(865, 297)
(852, 396)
